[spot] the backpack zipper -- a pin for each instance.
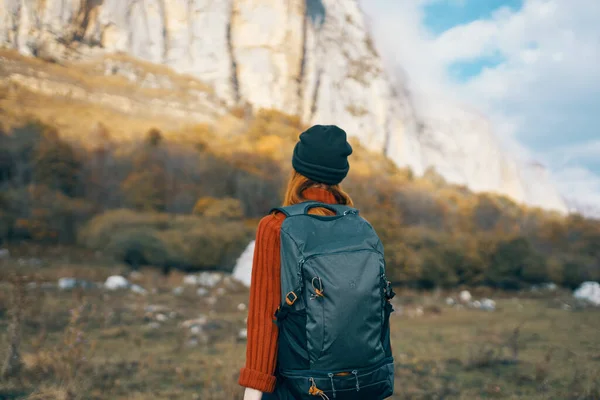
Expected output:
(303, 260)
(367, 371)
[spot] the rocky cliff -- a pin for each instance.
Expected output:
(313, 58)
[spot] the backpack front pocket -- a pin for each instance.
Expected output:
(372, 383)
(344, 304)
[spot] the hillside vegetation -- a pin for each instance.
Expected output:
(190, 198)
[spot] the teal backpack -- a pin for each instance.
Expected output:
(334, 331)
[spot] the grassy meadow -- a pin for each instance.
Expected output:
(179, 341)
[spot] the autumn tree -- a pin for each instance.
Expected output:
(145, 187)
(56, 165)
(514, 262)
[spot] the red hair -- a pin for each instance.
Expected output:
(298, 183)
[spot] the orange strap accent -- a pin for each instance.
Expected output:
(315, 391)
(291, 301)
(342, 374)
(318, 288)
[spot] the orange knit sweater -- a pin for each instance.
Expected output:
(265, 297)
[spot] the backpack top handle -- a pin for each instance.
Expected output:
(304, 207)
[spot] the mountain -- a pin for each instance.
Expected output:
(312, 58)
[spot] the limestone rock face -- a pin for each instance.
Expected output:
(313, 58)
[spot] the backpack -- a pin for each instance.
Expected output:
(334, 331)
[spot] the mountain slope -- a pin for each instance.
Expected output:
(312, 58)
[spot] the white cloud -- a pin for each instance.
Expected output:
(546, 87)
(588, 151)
(581, 183)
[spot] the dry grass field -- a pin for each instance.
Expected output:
(181, 341)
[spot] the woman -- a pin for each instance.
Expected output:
(320, 163)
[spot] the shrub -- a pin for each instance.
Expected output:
(138, 247)
(97, 233)
(225, 208)
(186, 242)
(216, 245)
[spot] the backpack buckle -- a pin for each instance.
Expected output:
(389, 292)
(291, 300)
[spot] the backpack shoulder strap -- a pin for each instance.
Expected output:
(304, 207)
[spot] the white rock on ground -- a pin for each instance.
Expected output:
(450, 301)
(161, 317)
(589, 291)
(4, 254)
(241, 307)
(243, 266)
(202, 291)
(196, 330)
(178, 291)
(116, 282)
(211, 301)
(465, 296)
(191, 280)
(209, 279)
(190, 323)
(153, 325)
(137, 289)
(550, 287)
(156, 308)
(488, 305)
(67, 283)
(243, 334)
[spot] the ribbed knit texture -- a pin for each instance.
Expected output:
(265, 297)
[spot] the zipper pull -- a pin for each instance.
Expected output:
(355, 373)
(300, 281)
(332, 385)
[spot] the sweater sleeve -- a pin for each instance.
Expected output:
(265, 297)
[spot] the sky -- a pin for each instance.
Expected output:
(531, 66)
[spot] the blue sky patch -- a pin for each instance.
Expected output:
(445, 14)
(462, 71)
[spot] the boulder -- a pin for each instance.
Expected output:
(465, 296)
(67, 283)
(116, 282)
(488, 305)
(589, 292)
(243, 266)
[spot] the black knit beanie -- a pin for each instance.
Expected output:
(322, 154)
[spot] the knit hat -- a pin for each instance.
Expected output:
(322, 154)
